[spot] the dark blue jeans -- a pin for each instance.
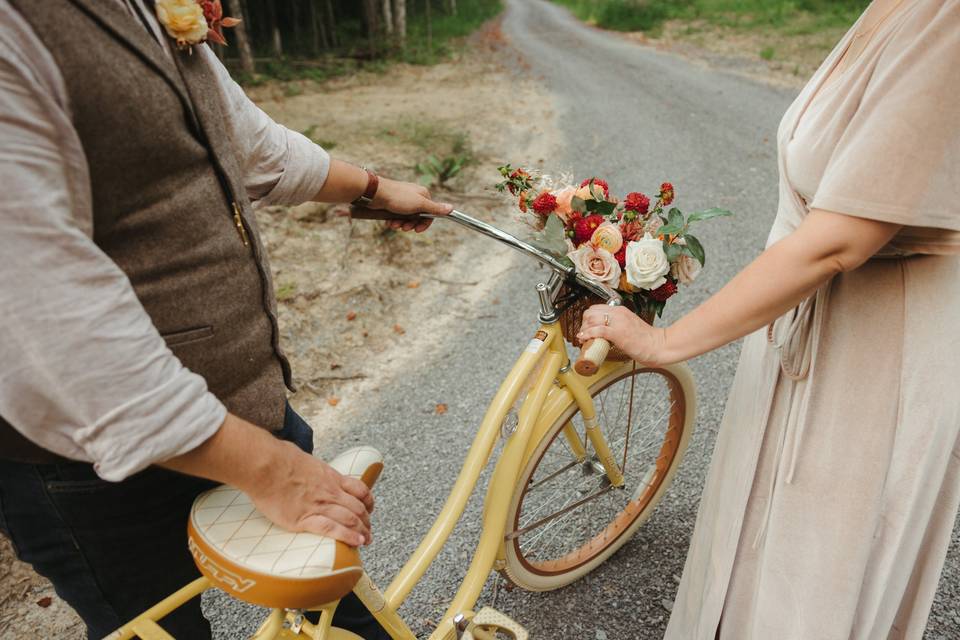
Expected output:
(112, 550)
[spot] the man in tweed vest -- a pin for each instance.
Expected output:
(138, 329)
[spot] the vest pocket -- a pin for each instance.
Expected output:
(178, 338)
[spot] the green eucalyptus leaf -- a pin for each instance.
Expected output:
(696, 249)
(673, 251)
(675, 218)
(707, 214)
(592, 205)
(669, 230)
(553, 237)
(606, 208)
(578, 204)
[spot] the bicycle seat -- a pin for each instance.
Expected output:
(254, 560)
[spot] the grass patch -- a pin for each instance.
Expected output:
(793, 17)
(767, 53)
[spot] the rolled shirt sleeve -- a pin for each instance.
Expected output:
(85, 373)
(280, 166)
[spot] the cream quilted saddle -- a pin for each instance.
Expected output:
(254, 560)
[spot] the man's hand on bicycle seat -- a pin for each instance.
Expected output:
(407, 198)
(292, 488)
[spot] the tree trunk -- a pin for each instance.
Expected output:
(426, 11)
(452, 7)
(297, 31)
(400, 22)
(331, 24)
(387, 17)
(274, 29)
(316, 29)
(371, 17)
(235, 9)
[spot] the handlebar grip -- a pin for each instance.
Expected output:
(592, 355)
(362, 213)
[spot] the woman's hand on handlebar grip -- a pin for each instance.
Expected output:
(408, 199)
(626, 331)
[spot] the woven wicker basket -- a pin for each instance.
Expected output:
(572, 317)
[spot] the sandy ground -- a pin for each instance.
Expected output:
(765, 55)
(353, 296)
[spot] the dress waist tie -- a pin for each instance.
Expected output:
(796, 336)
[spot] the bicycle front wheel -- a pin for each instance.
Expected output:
(565, 518)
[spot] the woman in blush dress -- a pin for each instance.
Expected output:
(835, 481)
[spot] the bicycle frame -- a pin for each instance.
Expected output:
(543, 373)
(547, 384)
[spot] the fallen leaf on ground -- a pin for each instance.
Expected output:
(45, 601)
(399, 330)
(441, 409)
(413, 285)
(334, 366)
(351, 316)
(333, 401)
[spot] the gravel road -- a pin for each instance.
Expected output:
(637, 117)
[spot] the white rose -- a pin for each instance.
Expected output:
(686, 269)
(596, 264)
(647, 263)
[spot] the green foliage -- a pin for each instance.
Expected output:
(309, 132)
(439, 169)
(767, 53)
(793, 16)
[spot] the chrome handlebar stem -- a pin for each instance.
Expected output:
(567, 272)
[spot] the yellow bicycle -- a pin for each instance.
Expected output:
(589, 450)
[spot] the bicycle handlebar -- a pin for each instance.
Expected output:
(592, 353)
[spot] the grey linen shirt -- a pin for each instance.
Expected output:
(83, 371)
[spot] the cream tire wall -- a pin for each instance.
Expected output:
(514, 568)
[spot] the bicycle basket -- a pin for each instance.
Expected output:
(573, 303)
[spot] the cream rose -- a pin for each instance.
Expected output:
(597, 264)
(686, 269)
(564, 198)
(183, 20)
(646, 263)
(607, 236)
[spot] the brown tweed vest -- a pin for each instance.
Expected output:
(166, 184)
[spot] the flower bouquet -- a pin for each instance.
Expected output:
(641, 249)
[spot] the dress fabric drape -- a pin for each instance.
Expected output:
(835, 480)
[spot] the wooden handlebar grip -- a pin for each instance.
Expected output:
(592, 355)
(360, 213)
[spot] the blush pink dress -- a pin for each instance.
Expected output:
(835, 481)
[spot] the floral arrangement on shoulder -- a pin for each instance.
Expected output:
(639, 248)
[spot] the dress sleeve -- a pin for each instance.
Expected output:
(899, 159)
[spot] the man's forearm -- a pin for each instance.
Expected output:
(239, 454)
(345, 183)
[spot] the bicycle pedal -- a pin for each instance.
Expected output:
(500, 623)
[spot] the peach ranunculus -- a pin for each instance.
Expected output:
(596, 264)
(584, 193)
(564, 197)
(183, 20)
(607, 236)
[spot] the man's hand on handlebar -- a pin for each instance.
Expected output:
(408, 199)
(625, 330)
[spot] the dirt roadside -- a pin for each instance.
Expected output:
(765, 55)
(357, 302)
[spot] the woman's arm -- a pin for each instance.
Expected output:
(824, 245)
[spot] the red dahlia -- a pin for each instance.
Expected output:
(664, 292)
(584, 227)
(600, 183)
(666, 193)
(545, 204)
(621, 256)
(638, 202)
